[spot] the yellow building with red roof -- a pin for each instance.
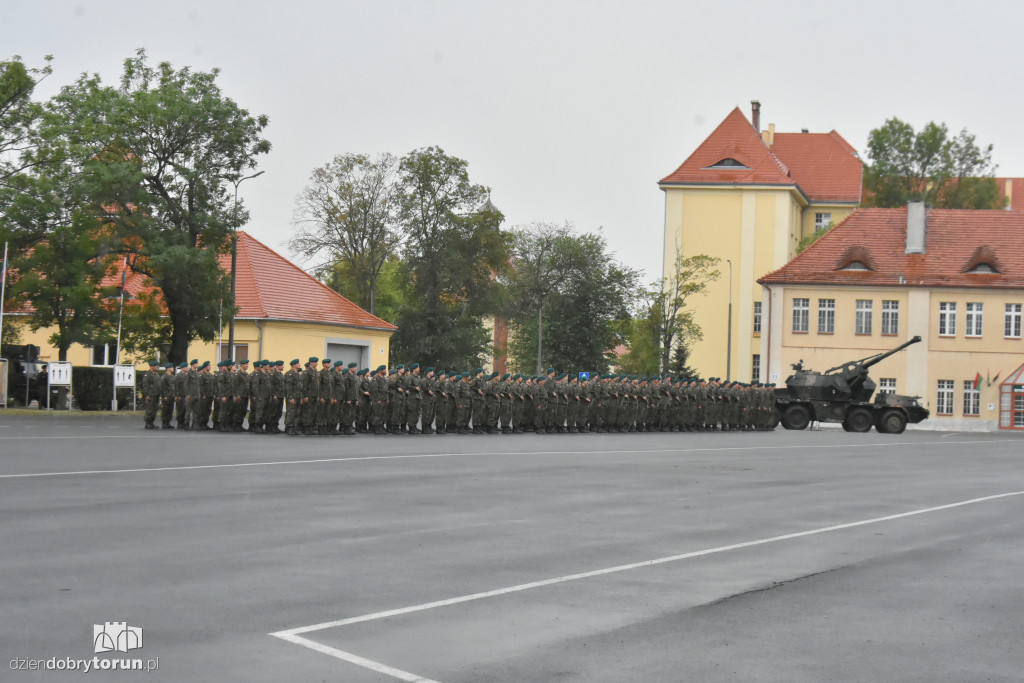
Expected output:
(283, 313)
(748, 196)
(953, 277)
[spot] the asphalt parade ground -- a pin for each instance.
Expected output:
(784, 556)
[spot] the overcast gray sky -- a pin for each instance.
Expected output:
(567, 110)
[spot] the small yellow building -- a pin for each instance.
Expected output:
(284, 313)
(748, 197)
(953, 277)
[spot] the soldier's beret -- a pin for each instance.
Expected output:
(505, 376)
(382, 367)
(205, 364)
(429, 368)
(313, 359)
(338, 363)
(353, 365)
(182, 365)
(414, 366)
(400, 366)
(154, 362)
(550, 370)
(279, 363)
(194, 361)
(169, 366)
(294, 362)
(326, 360)
(243, 362)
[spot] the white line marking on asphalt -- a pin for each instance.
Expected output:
(413, 456)
(293, 635)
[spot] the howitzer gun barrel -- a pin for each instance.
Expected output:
(865, 363)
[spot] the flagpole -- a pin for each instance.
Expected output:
(117, 348)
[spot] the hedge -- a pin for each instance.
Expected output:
(93, 389)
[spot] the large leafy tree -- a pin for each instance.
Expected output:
(929, 165)
(453, 250)
(163, 148)
(19, 114)
(347, 216)
(567, 294)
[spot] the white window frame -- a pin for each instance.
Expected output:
(890, 317)
(972, 399)
(944, 397)
(822, 219)
(757, 317)
(887, 385)
(755, 368)
(826, 316)
(974, 319)
(865, 308)
(110, 350)
(1012, 321)
(801, 315)
(947, 318)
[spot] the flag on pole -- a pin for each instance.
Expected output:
(977, 380)
(996, 378)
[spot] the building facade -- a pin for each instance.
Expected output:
(748, 197)
(882, 276)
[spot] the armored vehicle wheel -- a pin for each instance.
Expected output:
(796, 416)
(858, 420)
(892, 422)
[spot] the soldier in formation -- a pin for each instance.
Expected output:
(336, 399)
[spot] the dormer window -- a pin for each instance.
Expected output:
(728, 163)
(856, 258)
(983, 262)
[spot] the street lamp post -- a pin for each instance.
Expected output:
(234, 264)
(728, 343)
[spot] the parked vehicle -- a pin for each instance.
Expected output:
(843, 394)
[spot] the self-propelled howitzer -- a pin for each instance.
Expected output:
(843, 394)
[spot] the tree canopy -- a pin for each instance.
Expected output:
(566, 296)
(929, 165)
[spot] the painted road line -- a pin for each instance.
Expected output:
(414, 456)
(294, 635)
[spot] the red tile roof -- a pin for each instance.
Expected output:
(824, 166)
(735, 139)
(269, 286)
(955, 240)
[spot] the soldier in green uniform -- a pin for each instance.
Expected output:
(167, 396)
(428, 401)
(363, 413)
(378, 399)
(240, 386)
(413, 400)
(180, 403)
(151, 393)
(201, 417)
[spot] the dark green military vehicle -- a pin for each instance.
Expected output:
(843, 394)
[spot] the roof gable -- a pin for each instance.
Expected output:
(734, 139)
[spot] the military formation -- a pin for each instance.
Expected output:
(322, 397)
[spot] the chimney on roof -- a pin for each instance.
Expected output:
(768, 135)
(755, 115)
(916, 224)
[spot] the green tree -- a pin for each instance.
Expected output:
(348, 212)
(392, 291)
(453, 249)
(567, 295)
(666, 322)
(930, 166)
(165, 147)
(19, 114)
